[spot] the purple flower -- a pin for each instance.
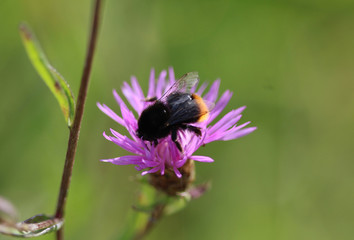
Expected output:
(165, 154)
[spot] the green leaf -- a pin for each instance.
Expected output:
(32, 227)
(55, 82)
(176, 204)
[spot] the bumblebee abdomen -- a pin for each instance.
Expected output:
(203, 108)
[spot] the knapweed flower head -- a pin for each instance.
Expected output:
(165, 155)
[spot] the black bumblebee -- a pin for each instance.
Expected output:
(174, 111)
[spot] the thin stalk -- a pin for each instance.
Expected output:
(75, 130)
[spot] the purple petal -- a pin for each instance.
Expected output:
(135, 99)
(131, 123)
(136, 87)
(150, 163)
(107, 137)
(227, 121)
(110, 113)
(180, 163)
(175, 154)
(228, 124)
(139, 168)
(161, 83)
(162, 163)
(125, 142)
(118, 98)
(220, 135)
(122, 144)
(202, 158)
(178, 173)
(171, 75)
(239, 133)
(220, 105)
(202, 88)
(192, 145)
(124, 160)
(128, 117)
(212, 95)
(151, 92)
(237, 128)
(155, 169)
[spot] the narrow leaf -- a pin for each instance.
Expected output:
(32, 227)
(55, 82)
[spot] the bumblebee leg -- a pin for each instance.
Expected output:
(174, 139)
(194, 129)
(152, 99)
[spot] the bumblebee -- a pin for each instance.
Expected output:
(174, 111)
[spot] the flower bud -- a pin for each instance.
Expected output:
(169, 183)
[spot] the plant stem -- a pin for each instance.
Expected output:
(75, 130)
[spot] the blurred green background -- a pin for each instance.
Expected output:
(292, 64)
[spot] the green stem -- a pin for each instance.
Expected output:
(155, 215)
(144, 216)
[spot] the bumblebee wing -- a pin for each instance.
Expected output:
(184, 115)
(184, 84)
